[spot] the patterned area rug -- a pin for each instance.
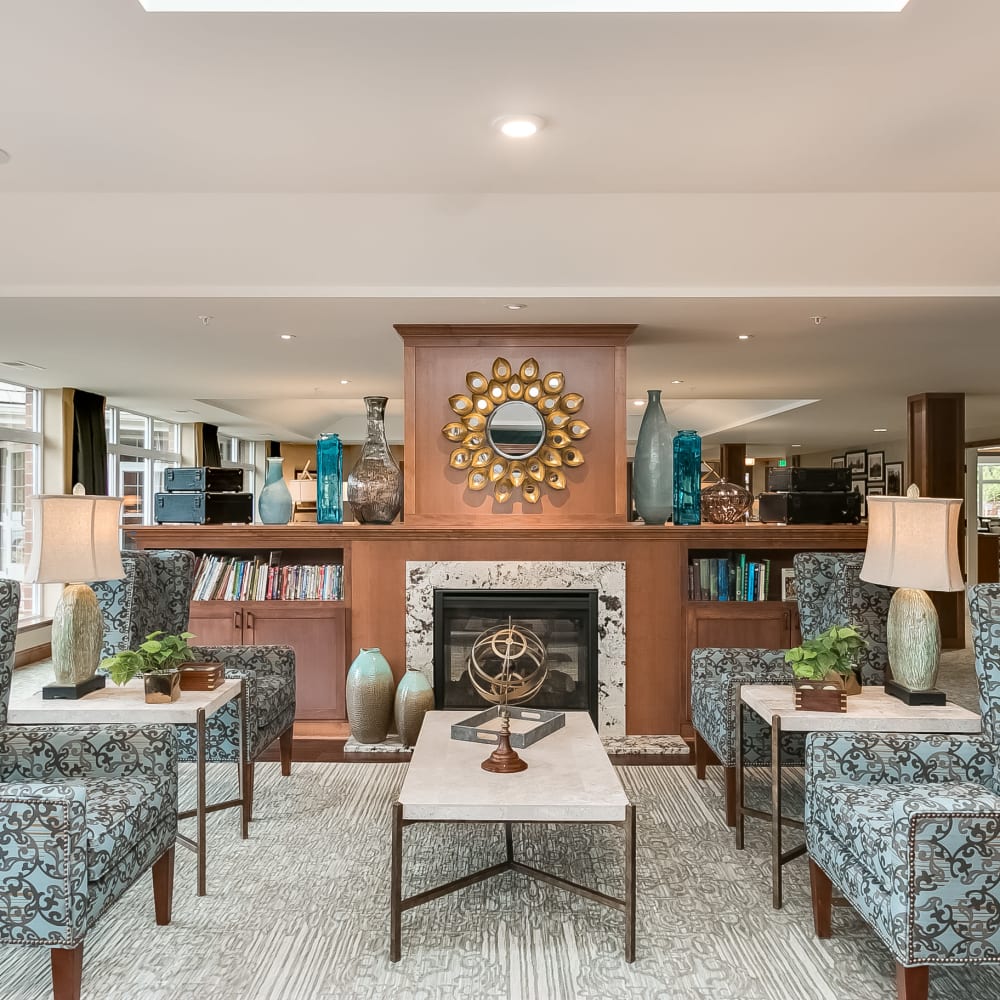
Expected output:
(300, 911)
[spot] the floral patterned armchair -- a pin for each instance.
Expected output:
(908, 829)
(830, 592)
(155, 593)
(84, 812)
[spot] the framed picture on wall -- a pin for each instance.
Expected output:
(894, 479)
(861, 486)
(857, 462)
(788, 591)
(837, 462)
(876, 466)
(875, 490)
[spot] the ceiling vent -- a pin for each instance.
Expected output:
(21, 364)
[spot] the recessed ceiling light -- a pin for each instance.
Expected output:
(519, 126)
(880, 430)
(677, 381)
(345, 381)
(528, 6)
(515, 305)
(287, 336)
(183, 411)
(796, 446)
(638, 402)
(4, 157)
(745, 336)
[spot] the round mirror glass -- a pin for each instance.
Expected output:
(515, 429)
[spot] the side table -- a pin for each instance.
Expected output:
(871, 711)
(126, 704)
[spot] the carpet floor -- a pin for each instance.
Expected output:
(300, 911)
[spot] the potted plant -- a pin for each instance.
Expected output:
(824, 669)
(157, 660)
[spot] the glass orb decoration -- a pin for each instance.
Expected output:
(725, 503)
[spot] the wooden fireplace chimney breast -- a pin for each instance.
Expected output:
(437, 359)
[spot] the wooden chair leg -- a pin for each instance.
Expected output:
(912, 983)
(822, 899)
(248, 791)
(700, 756)
(67, 972)
(163, 886)
(730, 796)
(285, 747)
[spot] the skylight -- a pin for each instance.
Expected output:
(527, 6)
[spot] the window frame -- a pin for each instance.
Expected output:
(147, 456)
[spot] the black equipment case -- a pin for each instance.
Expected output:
(810, 508)
(204, 479)
(203, 508)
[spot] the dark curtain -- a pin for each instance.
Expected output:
(274, 449)
(210, 453)
(90, 443)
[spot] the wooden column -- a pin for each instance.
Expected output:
(734, 463)
(935, 423)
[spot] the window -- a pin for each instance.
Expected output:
(139, 449)
(239, 454)
(988, 482)
(20, 465)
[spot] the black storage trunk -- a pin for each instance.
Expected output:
(804, 479)
(203, 508)
(203, 478)
(810, 508)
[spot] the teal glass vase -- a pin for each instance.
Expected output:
(274, 504)
(370, 692)
(687, 478)
(329, 477)
(652, 466)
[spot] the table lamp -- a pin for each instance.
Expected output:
(913, 545)
(75, 539)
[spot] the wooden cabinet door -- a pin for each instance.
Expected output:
(318, 634)
(744, 624)
(216, 623)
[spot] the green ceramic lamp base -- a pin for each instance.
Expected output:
(913, 641)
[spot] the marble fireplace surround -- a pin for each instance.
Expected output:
(608, 578)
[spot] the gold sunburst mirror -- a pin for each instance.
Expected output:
(516, 429)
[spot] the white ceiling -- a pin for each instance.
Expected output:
(331, 175)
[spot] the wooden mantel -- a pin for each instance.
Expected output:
(661, 623)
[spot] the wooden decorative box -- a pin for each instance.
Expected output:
(820, 696)
(201, 676)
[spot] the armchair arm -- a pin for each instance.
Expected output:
(43, 864)
(898, 757)
(242, 661)
(51, 753)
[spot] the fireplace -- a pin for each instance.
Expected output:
(564, 620)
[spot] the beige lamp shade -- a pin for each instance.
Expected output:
(74, 539)
(913, 542)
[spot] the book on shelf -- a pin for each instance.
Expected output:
(236, 578)
(737, 577)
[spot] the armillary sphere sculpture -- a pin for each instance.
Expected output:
(507, 666)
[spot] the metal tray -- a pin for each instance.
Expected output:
(546, 723)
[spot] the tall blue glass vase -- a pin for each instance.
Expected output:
(687, 478)
(652, 467)
(329, 477)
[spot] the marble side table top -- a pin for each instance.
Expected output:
(569, 778)
(119, 705)
(872, 711)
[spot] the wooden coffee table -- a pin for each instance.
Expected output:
(569, 780)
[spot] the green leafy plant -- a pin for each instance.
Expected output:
(831, 651)
(159, 652)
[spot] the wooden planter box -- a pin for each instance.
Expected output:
(820, 696)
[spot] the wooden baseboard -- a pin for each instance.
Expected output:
(33, 654)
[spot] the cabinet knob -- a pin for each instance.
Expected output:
(238, 619)
(788, 619)
(251, 621)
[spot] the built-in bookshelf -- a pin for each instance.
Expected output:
(258, 578)
(729, 577)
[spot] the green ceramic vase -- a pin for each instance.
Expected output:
(370, 688)
(414, 699)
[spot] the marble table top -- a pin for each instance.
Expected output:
(872, 711)
(119, 705)
(569, 778)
